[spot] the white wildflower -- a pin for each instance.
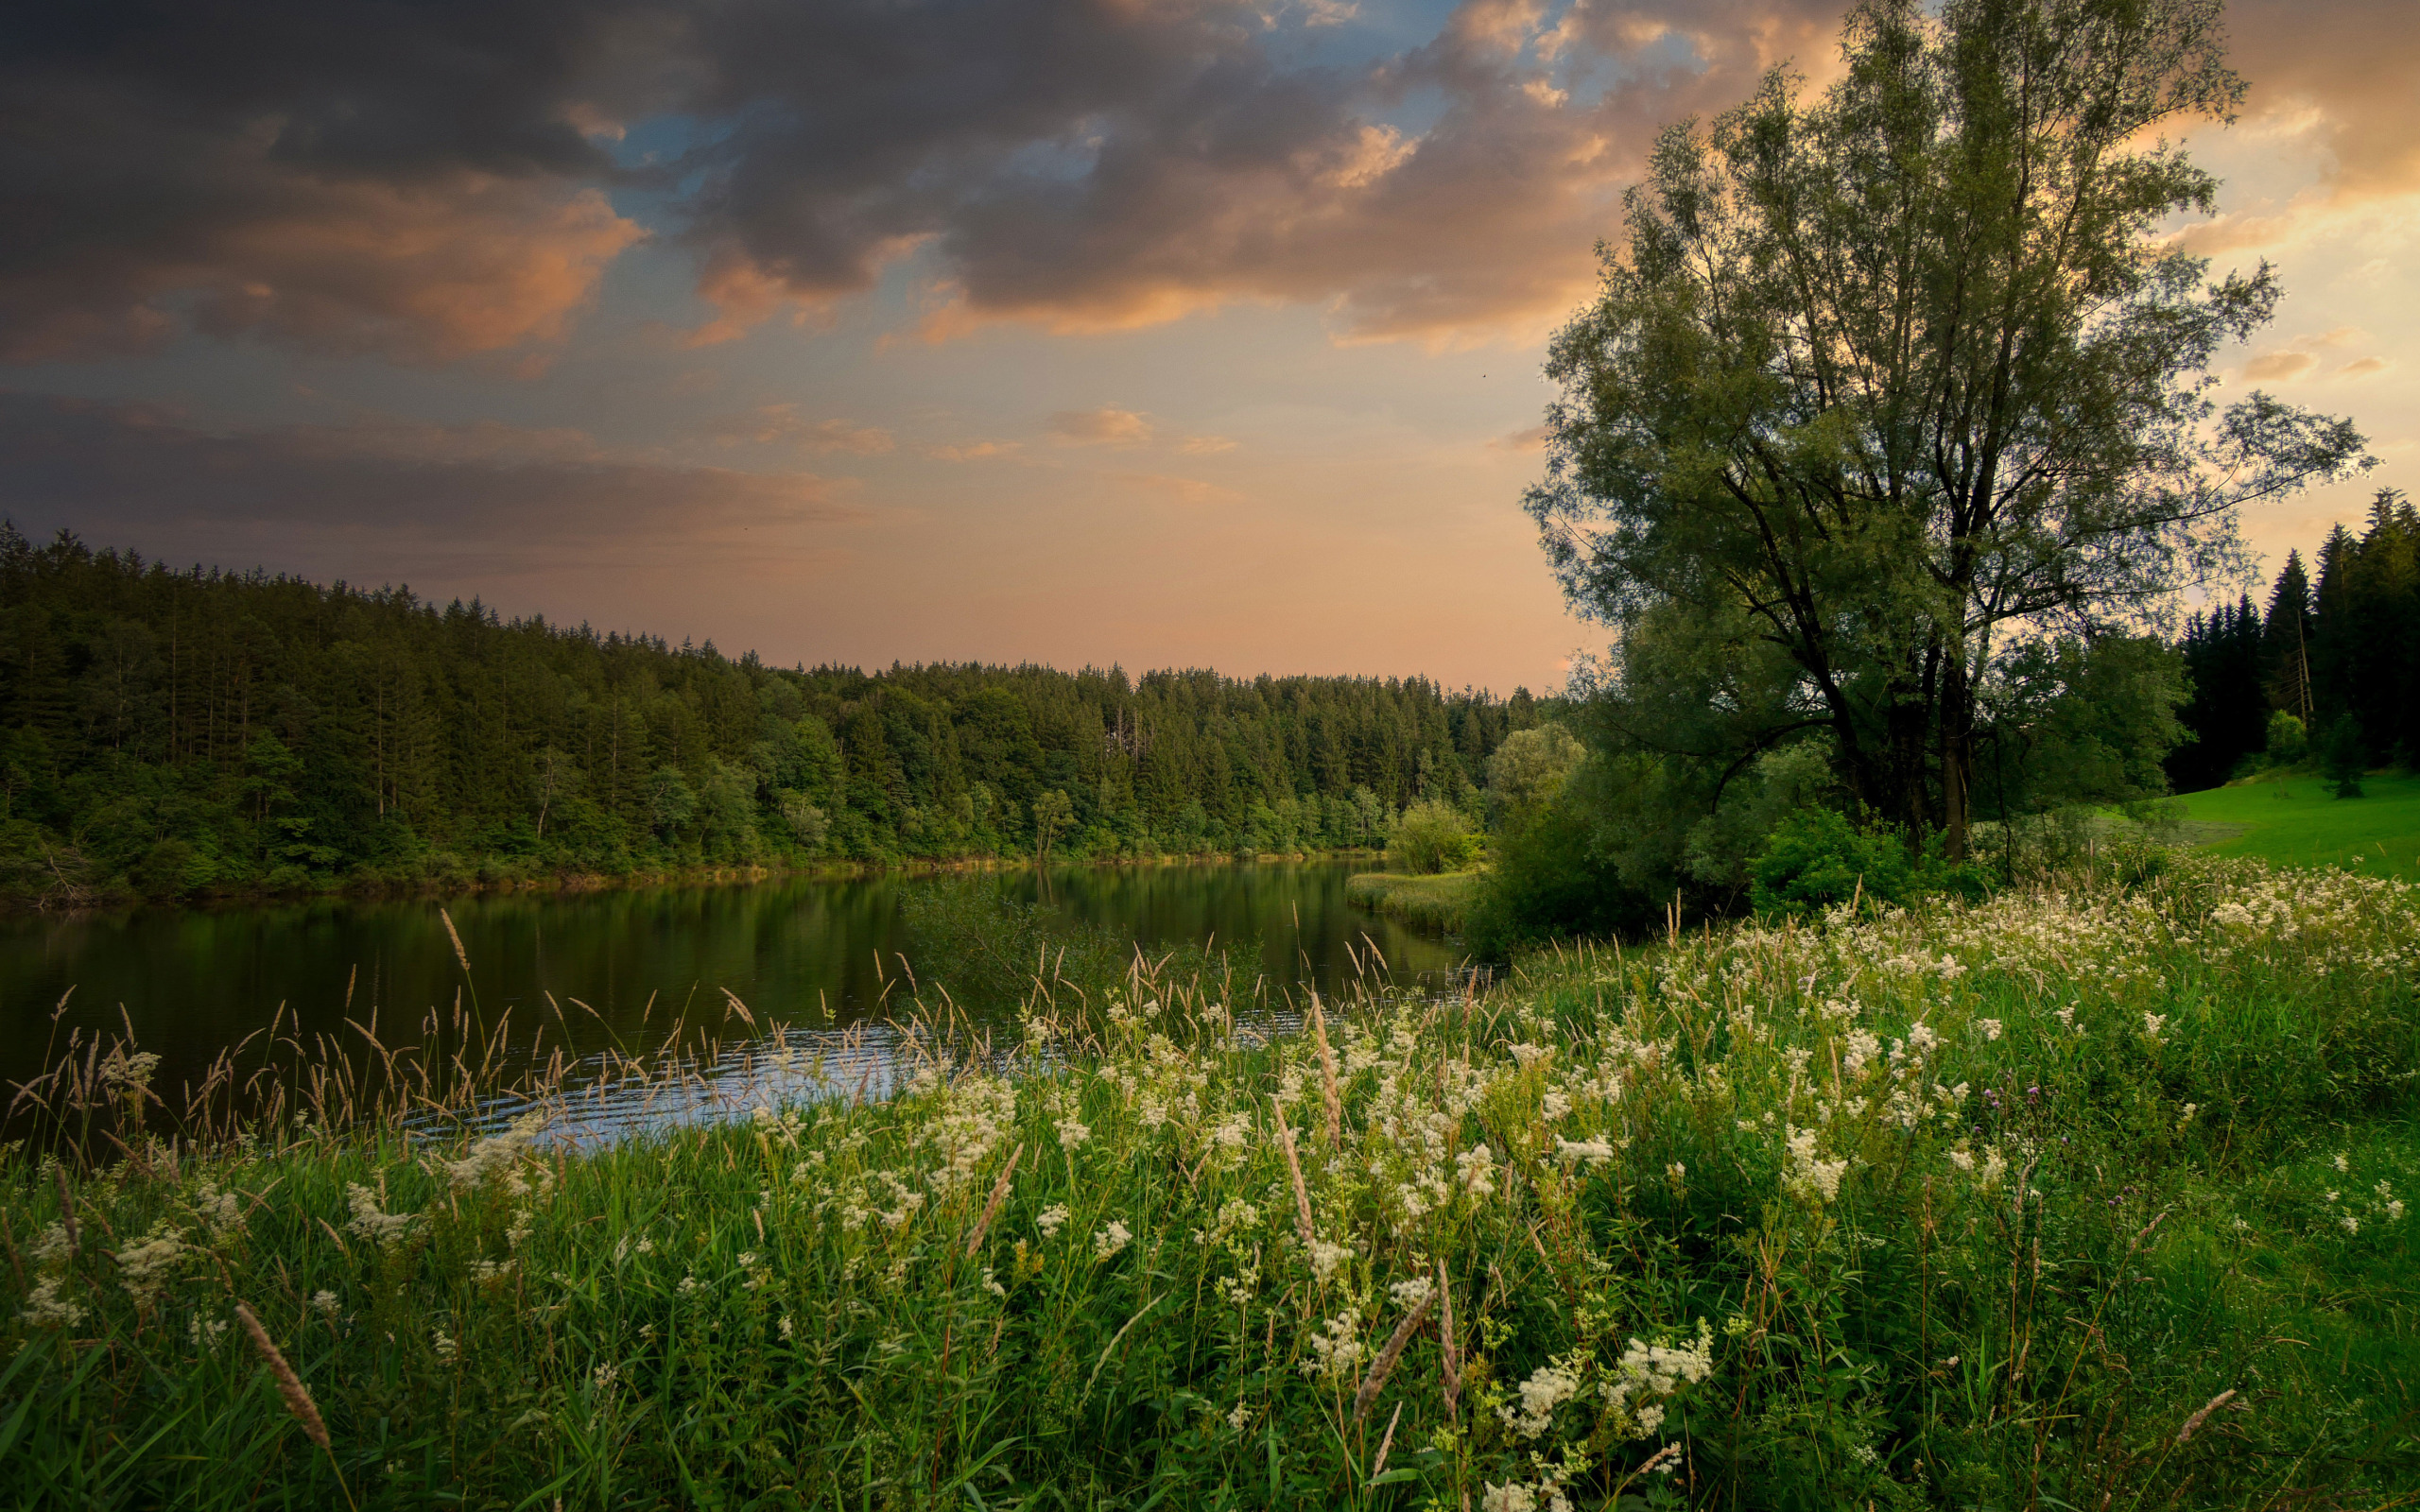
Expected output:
(148, 1266)
(369, 1221)
(45, 1308)
(1476, 1166)
(1572, 1152)
(1109, 1241)
(1548, 1388)
(1052, 1219)
(1337, 1348)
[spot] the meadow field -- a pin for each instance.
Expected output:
(2298, 821)
(2093, 1195)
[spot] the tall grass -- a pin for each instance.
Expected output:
(1438, 901)
(2091, 1196)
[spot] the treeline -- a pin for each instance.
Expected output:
(174, 733)
(2341, 656)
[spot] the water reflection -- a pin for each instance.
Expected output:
(804, 967)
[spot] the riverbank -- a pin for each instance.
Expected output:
(1440, 902)
(2059, 1200)
(491, 880)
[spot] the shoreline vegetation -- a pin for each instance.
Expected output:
(175, 734)
(2085, 1192)
(1439, 902)
(703, 876)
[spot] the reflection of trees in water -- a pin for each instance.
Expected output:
(625, 966)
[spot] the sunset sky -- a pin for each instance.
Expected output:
(1070, 331)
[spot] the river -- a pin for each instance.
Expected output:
(813, 955)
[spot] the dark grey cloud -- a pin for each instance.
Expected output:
(405, 179)
(430, 182)
(409, 495)
(1091, 164)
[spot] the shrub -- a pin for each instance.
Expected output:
(2341, 757)
(2287, 741)
(1816, 859)
(1549, 880)
(1429, 837)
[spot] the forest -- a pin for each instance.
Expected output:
(2341, 657)
(196, 733)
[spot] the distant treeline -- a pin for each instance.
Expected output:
(173, 733)
(2341, 656)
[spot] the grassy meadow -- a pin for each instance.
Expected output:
(1439, 901)
(2090, 1196)
(2298, 821)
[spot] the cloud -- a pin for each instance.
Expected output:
(1106, 426)
(771, 423)
(2351, 64)
(433, 183)
(1089, 165)
(407, 180)
(974, 450)
(2280, 365)
(1533, 439)
(2363, 367)
(1204, 445)
(1192, 493)
(415, 493)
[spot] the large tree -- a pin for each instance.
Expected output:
(1891, 383)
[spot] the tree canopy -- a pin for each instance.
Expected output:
(1890, 389)
(179, 732)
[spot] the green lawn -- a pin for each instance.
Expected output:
(2297, 822)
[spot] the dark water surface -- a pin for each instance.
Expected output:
(817, 954)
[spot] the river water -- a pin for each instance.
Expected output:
(816, 956)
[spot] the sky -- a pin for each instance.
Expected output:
(1155, 333)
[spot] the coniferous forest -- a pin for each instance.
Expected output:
(196, 733)
(2341, 656)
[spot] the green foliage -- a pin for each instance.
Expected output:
(2341, 757)
(180, 734)
(1527, 770)
(2074, 725)
(2287, 743)
(1818, 860)
(1430, 836)
(1759, 1194)
(1888, 383)
(1549, 878)
(1437, 902)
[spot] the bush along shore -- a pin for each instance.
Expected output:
(2091, 1195)
(1440, 902)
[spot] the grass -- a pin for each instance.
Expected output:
(1439, 902)
(2298, 822)
(2089, 1197)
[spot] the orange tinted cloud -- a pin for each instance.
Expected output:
(2353, 61)
(1105, 426)
(782, 422)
